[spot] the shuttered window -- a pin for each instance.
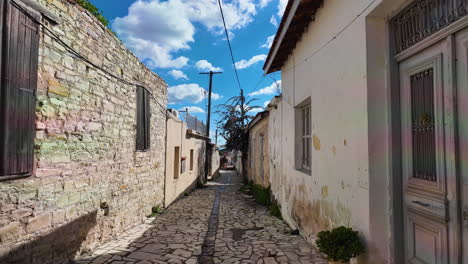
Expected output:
(19, 63)
(143, 119)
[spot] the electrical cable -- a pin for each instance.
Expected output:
(229, 44)
(333, 38)
(81, 57)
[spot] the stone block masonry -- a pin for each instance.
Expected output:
(85, 153)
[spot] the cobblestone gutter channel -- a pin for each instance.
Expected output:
(216, 224)
(209, 244)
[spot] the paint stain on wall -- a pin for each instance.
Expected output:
(324, 191)
(308, 216)
(345, 142)
(316, 141)
(334, 150)
(315, 216)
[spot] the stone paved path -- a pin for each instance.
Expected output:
(216, 224)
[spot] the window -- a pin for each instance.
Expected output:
(423, 126)
(191, 160)
(143, 119)
(176, 162)
(19, 48)
(182, 164)
(303, 136)
(250, 153)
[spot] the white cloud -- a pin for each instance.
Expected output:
(192, 109)
(155, 29)
(281, 7)
(188, 93)
(274, 88)
(176, 74)
(264, 3)
(268, 42)
(273, 21)
(256, 110)
(247, 63)
(204, 65)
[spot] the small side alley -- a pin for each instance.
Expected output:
(215, 224)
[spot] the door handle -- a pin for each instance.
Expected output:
(422, 203)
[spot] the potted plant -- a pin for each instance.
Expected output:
(340, 245)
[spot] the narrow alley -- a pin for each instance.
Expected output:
(215, 224)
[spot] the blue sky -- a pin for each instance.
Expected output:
(178, 39)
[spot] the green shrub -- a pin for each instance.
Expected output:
(340, 244)
(93, 10)
(156, 210)
(261, 194)
(275, 210)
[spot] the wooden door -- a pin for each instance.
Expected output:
(461, 41)
(20, 49)
(428, 156)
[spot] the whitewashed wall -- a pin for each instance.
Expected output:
(341, 78)
(177, 137)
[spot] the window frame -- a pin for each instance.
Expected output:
(143, 122)
(176, 163)
(303, 137)
(191, 160)
(22, 165)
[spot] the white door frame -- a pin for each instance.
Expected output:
(450, 116)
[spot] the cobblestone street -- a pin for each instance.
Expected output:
(216, 224)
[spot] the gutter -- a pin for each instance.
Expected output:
(281, 35)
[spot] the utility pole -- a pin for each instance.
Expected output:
(216, 137)
(242, 106)
(211, 73)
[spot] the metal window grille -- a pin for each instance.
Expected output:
(422, 18)
(423, 127)
(306, 137)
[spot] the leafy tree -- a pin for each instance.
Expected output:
(235, 118)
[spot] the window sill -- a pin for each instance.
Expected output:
(142, 150)
(14, 177)
(304, 171)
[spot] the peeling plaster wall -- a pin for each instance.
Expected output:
(84, 148)
(336, 79)
(215, 163)
(255, 165)
(177, 137)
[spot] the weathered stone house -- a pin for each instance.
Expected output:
(258, 158)
(372, 124)
(82, 133)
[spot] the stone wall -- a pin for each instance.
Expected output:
(85, 155)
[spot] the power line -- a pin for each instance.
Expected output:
(229, 44)
(81, 57)
(334, 37)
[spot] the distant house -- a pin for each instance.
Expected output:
(82, 133)
(258, 164)
(371, 129)
(185, 156)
